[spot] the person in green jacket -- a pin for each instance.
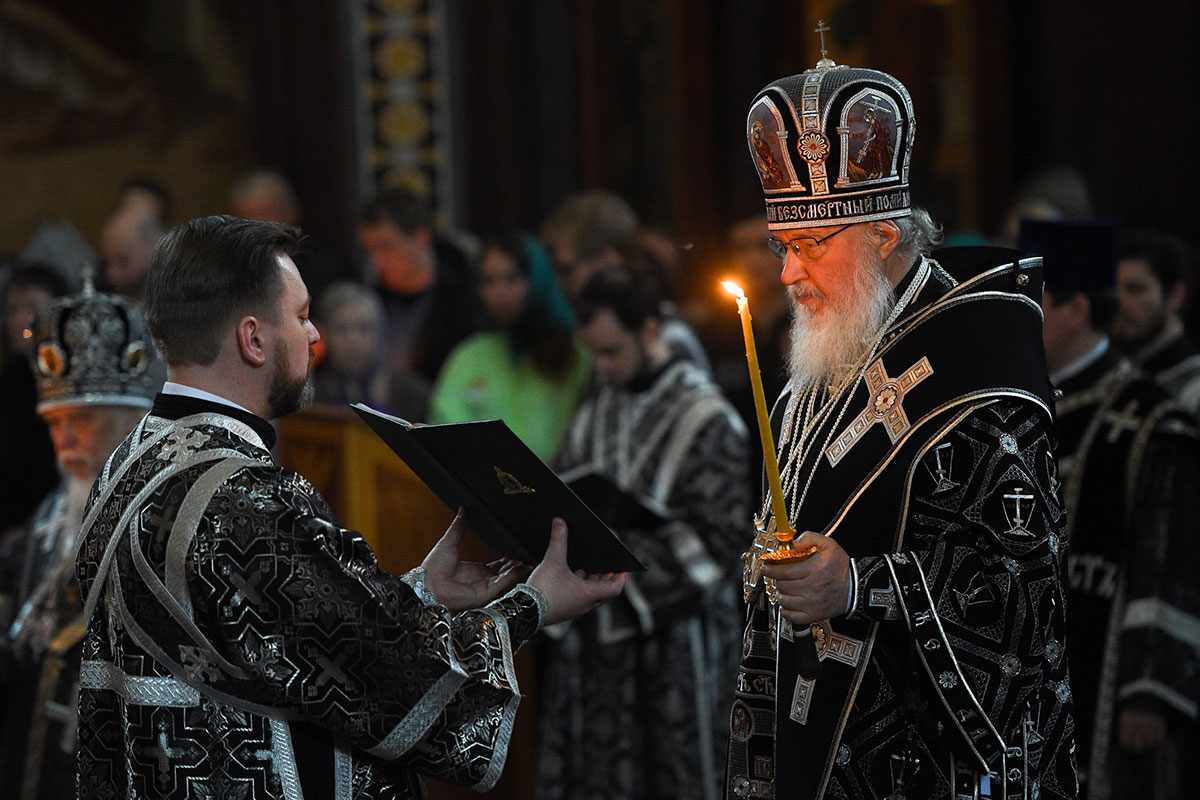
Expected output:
(527, 367)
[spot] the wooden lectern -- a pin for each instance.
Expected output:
(373, 492)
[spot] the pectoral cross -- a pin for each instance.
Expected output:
(885, 403)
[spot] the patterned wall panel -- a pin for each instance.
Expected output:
(404, 135)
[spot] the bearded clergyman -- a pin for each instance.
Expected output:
(240, 644)
(919, 650)
(96, 376)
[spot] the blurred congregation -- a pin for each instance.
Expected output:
(522, 211)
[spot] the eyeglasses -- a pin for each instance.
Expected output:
(803, 246)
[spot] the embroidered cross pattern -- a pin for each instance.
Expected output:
(885, 403)
(182, 443)
(830, 645)
(885, 599)
(163, 522)
(1015, 510)
(198, 665)
(331, 669)
(163, 753)
(1121, 421)
(939, 464)
(246, 589)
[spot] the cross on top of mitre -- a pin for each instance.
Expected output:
(825, 61)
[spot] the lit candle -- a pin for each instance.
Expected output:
(783, 526)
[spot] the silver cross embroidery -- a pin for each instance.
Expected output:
(885, 599)
(163, 522)
(885, 404)
(331, 669)
(163, 753)
(180, 444)
(198, 665)
(940, 468)
(246, 589)
(1014, 510)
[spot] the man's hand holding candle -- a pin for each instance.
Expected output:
(815, 588)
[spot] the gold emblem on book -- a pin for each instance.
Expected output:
(511, 483)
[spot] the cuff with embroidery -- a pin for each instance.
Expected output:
(873, 596)
(417, 581)
(543, 606)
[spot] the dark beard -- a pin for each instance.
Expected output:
(288, 396)
(1133, 344)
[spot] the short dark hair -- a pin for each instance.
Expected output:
(400, 207)
(206, 271)
(1102, 303)
(1164, 252)
(632, 295)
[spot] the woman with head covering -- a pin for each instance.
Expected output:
(526, 368)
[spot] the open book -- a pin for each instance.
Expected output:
(509, 493)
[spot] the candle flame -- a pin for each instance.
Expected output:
(733, 289)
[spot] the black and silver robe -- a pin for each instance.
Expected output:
(41, 655)
(241, 645)
(634, 695)
(948, 677)
(1130, 461)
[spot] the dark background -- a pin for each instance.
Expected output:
(648, 98)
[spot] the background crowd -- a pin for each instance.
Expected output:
(601, 340)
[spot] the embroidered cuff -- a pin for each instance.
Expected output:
(873, 597)
(538, 598)
(416, 580)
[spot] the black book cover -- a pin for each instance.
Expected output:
(509, 493)
(618, 508)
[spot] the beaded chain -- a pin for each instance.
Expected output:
(837, 396)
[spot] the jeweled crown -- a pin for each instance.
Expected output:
(832, 146)
(93, 348)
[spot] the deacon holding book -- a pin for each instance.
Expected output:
(239, 643)
(632, 695)
(915, 451)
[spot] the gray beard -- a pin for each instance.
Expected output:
(75, 497)
(826, 351)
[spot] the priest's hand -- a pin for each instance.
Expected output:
(459, 585)
(816, 588)
(570, 594)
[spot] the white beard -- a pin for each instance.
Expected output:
(74, 501)
(826, 349)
